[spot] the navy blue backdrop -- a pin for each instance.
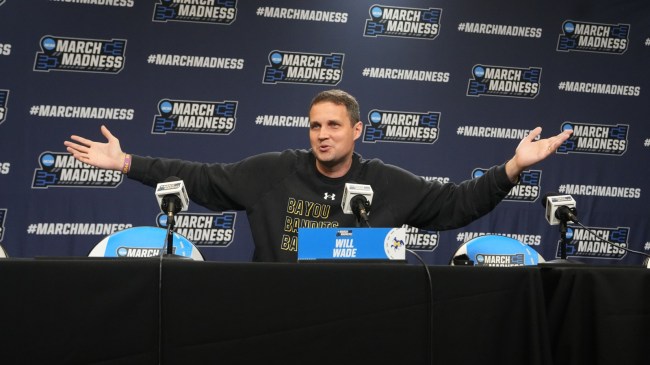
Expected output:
(476, 74)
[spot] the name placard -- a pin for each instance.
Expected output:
(351, 244)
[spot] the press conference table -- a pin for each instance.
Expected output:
(122, 311)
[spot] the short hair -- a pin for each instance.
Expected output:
(339, 97)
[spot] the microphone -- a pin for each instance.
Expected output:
(360, 207)
(172, 196)
(356, 200)
(559, 208)
(562, 208)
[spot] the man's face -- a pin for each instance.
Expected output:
(332, 137)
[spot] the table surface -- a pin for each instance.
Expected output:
(137, 311)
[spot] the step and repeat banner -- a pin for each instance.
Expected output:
(447, 89)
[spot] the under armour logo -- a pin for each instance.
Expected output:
(329, 196)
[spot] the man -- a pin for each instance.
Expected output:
(281, 191)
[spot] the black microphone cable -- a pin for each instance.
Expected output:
(170, 204)
(169, 240)
(429, 296)
(430, 299)
(160, 300)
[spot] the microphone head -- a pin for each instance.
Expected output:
(552, 202)
(350, 191)
(170, 188)
(566, 213)
(357, 202)
(171, 204)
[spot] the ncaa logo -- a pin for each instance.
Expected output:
(47, 160)
(165, 107)
(276, 58)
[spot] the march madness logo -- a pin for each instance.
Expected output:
(526, 190)
(391, 21)
(591, 243)
(594, 37)
(62, 170)
(213, 229)
(80, 55)
(304, 68)
(141, 251)
(393, 126)
(491, 260)
(206, 11)
(595, 139)
(4, 97)
(421, 239)
(504, 81)
(197, 117)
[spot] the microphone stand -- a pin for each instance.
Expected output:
(170, 239)
(564, 240)
(170, 235)
(363, 219)
(563, 243)
(171, 204)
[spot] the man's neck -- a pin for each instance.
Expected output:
(334, 171)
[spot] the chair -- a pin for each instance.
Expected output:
(143, 242)
(495, 250)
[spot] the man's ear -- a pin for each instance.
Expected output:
(358, 129)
